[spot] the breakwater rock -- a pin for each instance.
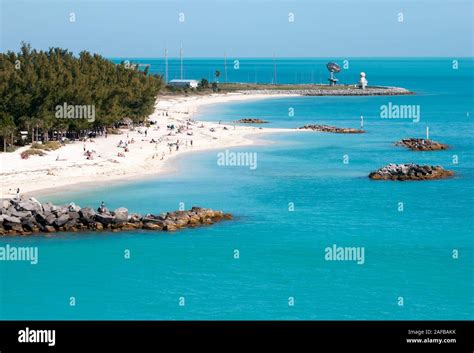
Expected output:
(334, 129)
(334, 91)
(29, 216)
(251, 121)
(410, 172)
(418, 144)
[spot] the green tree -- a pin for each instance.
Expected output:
(204, 83)
(7, 128)
(33, 83)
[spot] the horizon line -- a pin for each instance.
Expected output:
(292, 57)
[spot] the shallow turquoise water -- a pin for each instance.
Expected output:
(407, 254)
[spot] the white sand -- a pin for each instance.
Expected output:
(143, 158)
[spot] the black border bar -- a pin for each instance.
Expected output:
(228, 335)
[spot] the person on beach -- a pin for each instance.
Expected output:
(191, 143)
(18, 193)
(146, 132)
(102, 208)
(84, 147)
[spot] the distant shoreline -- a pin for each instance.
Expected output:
(296, 89)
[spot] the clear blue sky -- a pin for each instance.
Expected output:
(243, 28)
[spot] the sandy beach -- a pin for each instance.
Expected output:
(145, 155)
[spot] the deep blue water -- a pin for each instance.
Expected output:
(407, 254)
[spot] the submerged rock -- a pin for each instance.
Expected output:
(410, 172)
(24, 217)
(418, 144)
(334, 129)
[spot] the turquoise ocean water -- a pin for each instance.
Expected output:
(407, 254)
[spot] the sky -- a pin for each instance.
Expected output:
(242, 28)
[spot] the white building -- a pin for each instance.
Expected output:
(183, 83)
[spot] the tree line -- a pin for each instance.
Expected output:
(42, 92)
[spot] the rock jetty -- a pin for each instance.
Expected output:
(29, 216)
(251, 121)
(410, 172)
(334, 91)
(419, 144)
(334, 129)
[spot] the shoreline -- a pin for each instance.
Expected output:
(45, 176)
(169, 168)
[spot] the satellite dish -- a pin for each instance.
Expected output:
(333, 69)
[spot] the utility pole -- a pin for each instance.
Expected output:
(225, 67)
(181, 59)
(166, 65)
(274, 70)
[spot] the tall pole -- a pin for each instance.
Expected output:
(274, 70)
(225, 67)
(427, 132)
(166, 65)
(181, 59)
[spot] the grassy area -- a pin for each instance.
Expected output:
(234, 87)
(230, 87)
(46, 146)
(32, 152)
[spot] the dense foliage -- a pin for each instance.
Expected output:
(34, 83)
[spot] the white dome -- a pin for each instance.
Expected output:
(362, 74)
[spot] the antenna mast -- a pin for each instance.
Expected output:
(274, 70)
(166, 65)
(225, 66)
(181, 59)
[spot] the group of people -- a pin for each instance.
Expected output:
(124, 145)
